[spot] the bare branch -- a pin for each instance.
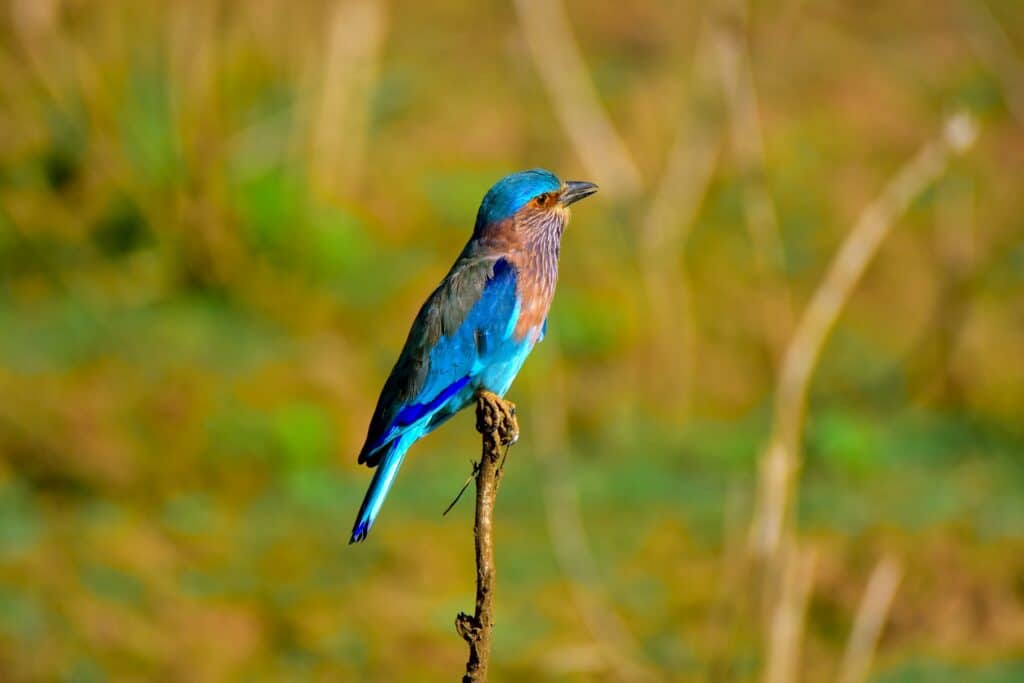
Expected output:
(496, 422)
(557, 58)
(867, 626)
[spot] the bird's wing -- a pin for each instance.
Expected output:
(474, 305)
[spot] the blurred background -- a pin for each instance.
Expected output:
(217, 220)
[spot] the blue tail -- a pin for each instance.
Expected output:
(379, 487)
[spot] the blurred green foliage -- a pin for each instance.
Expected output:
(195, 321)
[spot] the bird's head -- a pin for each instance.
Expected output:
(535, 202)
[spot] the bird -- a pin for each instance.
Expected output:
(476, 329)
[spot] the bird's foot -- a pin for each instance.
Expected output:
(494, 414)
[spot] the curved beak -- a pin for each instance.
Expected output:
(576, 190)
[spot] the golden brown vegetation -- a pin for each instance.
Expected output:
(217, 220)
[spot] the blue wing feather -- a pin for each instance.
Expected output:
(480, 352)
(414, 413)
(489, 321)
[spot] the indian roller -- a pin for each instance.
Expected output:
(477, 328)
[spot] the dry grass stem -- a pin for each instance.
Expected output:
(737, 77)
(349, 70)
(669, 218)
(781, 459)
(787, 619)
(867, 625)
(558, 60)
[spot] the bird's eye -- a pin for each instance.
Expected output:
(542, 200)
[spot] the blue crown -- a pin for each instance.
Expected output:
(512, 192)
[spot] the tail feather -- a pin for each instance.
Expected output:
(381, 483)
